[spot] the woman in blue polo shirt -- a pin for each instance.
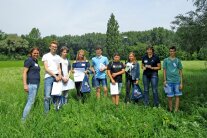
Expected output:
(80, 63)
(31, 79)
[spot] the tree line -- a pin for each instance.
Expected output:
(188, 34)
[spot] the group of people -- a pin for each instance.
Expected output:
(58, 68)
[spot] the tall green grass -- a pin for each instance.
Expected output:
(102, 118)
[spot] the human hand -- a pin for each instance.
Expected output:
(136, 82)
(114, 75)
(164, 83)
(58, 78)
(26, 89)
(65, 79)
(148, 66)
(113, 82)
(181, 86)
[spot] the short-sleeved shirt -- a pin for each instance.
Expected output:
(153, 61)
(115, 67)
(53, 62)
(84, 64)
(33, 74)
(172, 68)
(97, 63)
(65, 66)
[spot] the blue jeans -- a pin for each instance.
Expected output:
(64, 97)
(154, 83)
(32, 92)
(47, 92)
(174, 90)
(129, 85)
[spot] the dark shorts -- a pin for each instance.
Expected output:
(102, 82)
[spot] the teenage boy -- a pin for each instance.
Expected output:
(52, 73)
(99, 66)
(172, 71)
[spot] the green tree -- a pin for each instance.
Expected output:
(113, 40)
(191, 29)
(14, 45)
(2, 35)
(35, 34)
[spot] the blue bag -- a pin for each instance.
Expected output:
(136, 92)
(85, 87)
(93, 81)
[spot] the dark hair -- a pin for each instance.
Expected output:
(116, 54)
(173, 47)
(150, 47)
(63, 48)
(99, 47)
(33, 49)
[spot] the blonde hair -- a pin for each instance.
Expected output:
(53, 42)
(80, 51)
(132, 53)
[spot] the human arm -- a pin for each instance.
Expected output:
(181, 79)
(164, 77)
(156, 68)
(87, 71)
(143, 67)
(57, 78)
(25, 70)
(137, 73)
(118, 73)
(110, 76)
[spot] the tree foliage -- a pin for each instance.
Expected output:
(113, 40)
(13, 45)
(192, 28)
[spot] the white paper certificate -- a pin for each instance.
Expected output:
(114, 89)
(79, 74)
(69, 85)
(57, 88)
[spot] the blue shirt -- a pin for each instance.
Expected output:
(153, 61)
(97, 63)
(33, 74)
(85, 65)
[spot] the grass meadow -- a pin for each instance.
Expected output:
(101, 118)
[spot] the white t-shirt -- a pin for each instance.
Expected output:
(64, 63)
(53, 62)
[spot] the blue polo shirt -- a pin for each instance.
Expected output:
(85, 65)
(33, 74)
(97, 63)
(153, 61)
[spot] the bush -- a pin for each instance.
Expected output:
(202, 54)
(4, 57)
(162, 51)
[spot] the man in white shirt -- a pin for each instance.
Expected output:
(52, 72)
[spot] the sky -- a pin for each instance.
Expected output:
(77, 17)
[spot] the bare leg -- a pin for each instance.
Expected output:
(117, 99)
(114, 99)
(98, 92)
(177, 103)
(105, 91)
(170, 103)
